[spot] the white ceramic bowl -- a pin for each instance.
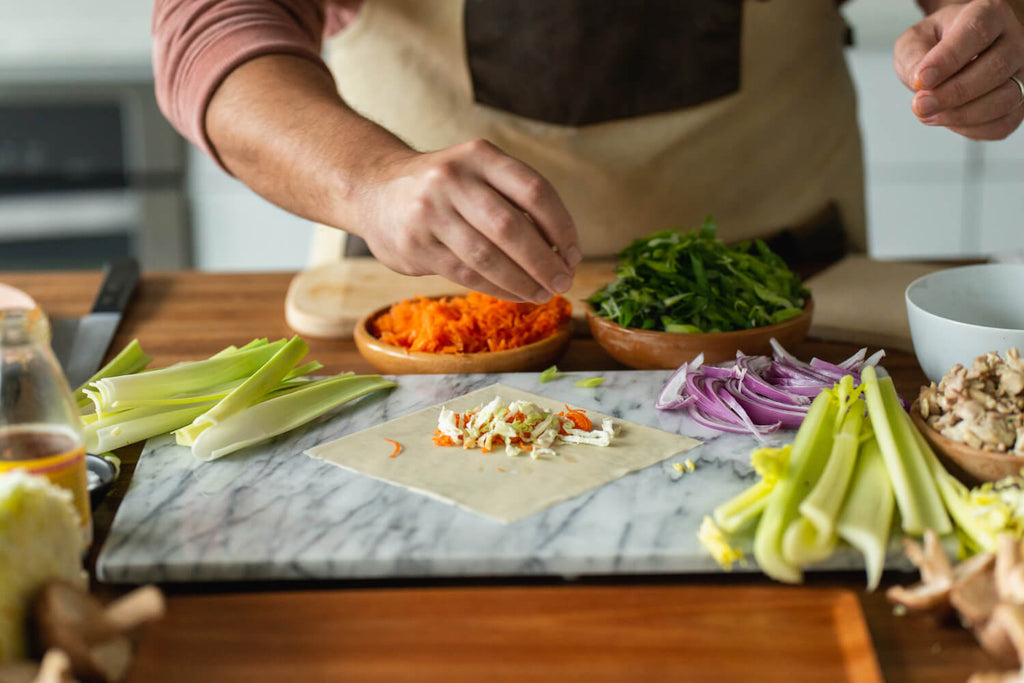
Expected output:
(961, 313)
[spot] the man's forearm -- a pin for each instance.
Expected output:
(278, 124)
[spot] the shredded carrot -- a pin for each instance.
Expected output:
(501, 469)
(474, 323)
(442, 439)
(398, 447)
(578, 417)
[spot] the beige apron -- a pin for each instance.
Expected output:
(770, 155)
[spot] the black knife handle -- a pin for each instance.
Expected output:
(119, 279)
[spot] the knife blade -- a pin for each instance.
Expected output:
(81, 343)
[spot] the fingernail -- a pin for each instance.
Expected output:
(541, 296)
(927, 79)
(573, 257)
(561, 283)
(927, 105)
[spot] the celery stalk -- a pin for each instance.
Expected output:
(914, 487)
(737, 513)
(283, 413)
(811, 447)
(865, 521)
(716, 543)
(981, 537)
(130, 360)
(803, 544)
(182, 378)
(249, 391)
(137, 424)
(822, 505)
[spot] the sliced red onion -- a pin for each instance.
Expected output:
(854, 360)
(671, 396)
(755, 394)
(875, 358)
(725, 425)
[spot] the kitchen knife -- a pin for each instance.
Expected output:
(81, 343)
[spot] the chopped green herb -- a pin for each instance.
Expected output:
(691, 282)
(551, 373)
(589, 382)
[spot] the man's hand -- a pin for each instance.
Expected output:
(474, 215)
(960, 59)
(469, 213)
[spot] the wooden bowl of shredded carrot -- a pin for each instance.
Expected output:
(464, 334)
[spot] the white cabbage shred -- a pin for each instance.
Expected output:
(539, 429)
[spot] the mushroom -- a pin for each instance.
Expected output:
(55, 668)
(1006, 625)
(974, 593)
(931, 594)
(95, 639)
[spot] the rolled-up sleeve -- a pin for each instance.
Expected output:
(197, 43)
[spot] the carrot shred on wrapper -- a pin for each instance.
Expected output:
(474, 323)
(578, 417)
(442, 439)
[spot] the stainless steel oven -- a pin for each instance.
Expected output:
(89, 171)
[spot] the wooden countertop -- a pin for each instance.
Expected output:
(613, 628)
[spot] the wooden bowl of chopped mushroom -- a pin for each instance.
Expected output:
(472, 333)
(974, 418)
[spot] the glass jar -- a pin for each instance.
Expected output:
(40, 430)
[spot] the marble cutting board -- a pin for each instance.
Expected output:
(272, 512)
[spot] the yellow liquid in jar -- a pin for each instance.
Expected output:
(55, 453)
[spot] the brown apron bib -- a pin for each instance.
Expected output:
(644, 115)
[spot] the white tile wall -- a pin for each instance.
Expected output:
(1000, 224)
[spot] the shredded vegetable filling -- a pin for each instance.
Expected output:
(521, 426)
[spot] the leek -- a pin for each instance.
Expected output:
(130, 360)
(137, 424)
(810, 449)
(866, 518)
(914, 487)
(183, 378)
(248, 392)
(282, 413)
(193, 397)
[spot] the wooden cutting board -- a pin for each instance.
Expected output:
(861, 301)
(327, 301)
(513, 633)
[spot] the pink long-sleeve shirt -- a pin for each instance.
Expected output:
(197, 43)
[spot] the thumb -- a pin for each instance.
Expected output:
(910, 49)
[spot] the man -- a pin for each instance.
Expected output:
(496, 142)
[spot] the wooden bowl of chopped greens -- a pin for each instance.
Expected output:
(679, 294)
(650, 350)
(463, 334)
